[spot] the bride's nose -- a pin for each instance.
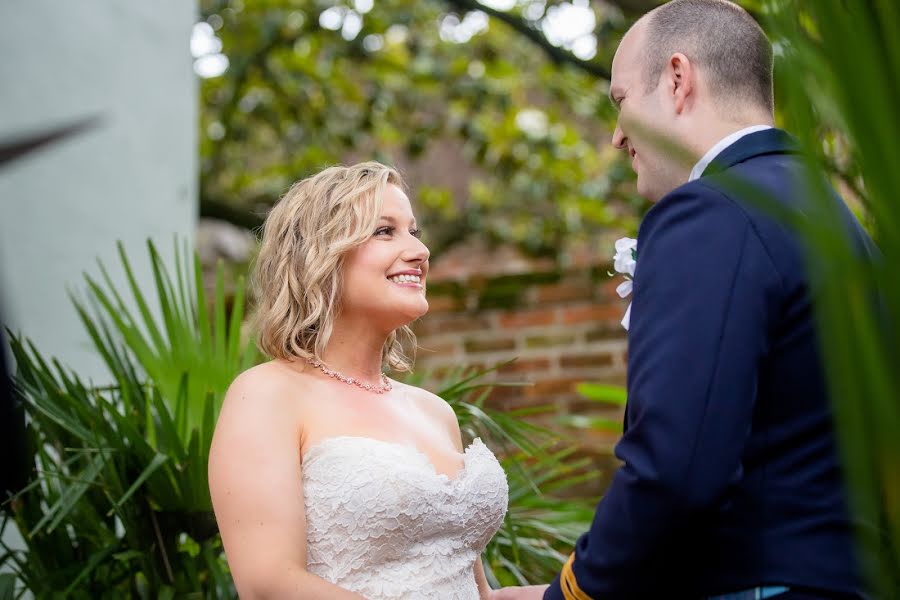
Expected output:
(415, 251)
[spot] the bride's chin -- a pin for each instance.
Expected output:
(422, 313)
(411, 318)
(416, 311)
(404, 319)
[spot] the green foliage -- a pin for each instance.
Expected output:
(298, 97)
(7, 586)
(190, 348)
(120, 506)
(840, 66)
(540, 529)
(602, 394)
(508, 291)
(526, 136)
(544, 519)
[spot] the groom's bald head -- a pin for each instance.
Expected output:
(719, 37)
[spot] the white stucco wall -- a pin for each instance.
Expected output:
(132, 177)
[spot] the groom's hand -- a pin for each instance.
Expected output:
(530, 592)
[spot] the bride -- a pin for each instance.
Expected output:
(328, 479)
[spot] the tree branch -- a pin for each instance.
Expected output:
(236, 215)
(557, 55)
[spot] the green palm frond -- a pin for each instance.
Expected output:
(839, 64)
(545, 514)
(120, 505)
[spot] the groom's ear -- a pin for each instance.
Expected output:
(680, 73)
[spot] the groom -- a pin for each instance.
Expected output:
(730, 484)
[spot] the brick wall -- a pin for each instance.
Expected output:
(562, 324)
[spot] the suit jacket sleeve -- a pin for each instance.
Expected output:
(704, 290)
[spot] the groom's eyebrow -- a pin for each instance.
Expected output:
(614, 95)
(612, 98)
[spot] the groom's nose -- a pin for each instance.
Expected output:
(619, 139)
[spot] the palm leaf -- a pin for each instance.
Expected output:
(121, 468)
(848, 92)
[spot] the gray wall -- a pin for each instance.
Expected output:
(132, 177)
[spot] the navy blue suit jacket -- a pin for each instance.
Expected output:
(730, 476)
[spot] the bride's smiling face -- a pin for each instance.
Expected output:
(384, 278)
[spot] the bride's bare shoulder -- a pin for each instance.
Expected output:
(435, 406)
(272, 384)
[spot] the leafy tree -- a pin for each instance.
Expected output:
(526, 123)
(502, 123)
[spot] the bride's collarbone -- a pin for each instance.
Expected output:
(405, 421)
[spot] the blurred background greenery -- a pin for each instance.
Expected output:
(497, 113)
(501, 129)
(497, 110)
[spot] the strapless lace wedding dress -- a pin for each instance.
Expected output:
(382, 522)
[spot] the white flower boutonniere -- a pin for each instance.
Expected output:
(624, 262)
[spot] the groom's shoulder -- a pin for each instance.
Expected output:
(697, 205)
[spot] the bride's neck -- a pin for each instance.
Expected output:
(354, 350)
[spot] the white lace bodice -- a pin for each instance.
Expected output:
(381, 521)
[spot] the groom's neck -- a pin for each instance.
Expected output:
(711, 130)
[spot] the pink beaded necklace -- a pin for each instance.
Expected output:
(375, 389)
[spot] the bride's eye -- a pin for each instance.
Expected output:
(416, 233)
(384, 231)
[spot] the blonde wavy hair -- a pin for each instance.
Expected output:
(298, 272)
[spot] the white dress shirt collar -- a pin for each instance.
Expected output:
(713, 152)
